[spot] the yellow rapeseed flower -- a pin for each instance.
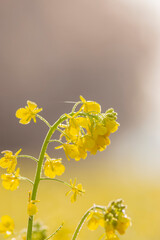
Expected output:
(6, 225)
(73, 151)
(10, 181)
(122, 224)
(28, 113)
(53, 167)
(94, 144)
(90, 106)
(111, 236)
(95, 219)
(76, 190)
(31, 208)
(9, 160)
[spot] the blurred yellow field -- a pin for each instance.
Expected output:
(141, 195)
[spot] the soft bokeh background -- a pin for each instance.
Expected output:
(107, 51)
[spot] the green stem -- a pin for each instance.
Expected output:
(39, 169)
(57, 180)
(44, 120)
(27, 156)
(84, 218)
(55, 140)
(26, 179)
(55, 232)
(75, 105)
(61, 181)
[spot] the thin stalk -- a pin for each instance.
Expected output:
(57, 180)
(84, 218)
(61, 181)
(44, 120)
(54, 232)
(39, 169)
(55, 140)
(26, 179)
(27, 156)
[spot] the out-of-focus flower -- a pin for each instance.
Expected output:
(10, 181)
(53, 167)
(28, 113)
(123, 223)
(75, 190)
(9, 160)
(113, 219)
(6, 225)
(95, 219)
(116, 218)
(111, 236)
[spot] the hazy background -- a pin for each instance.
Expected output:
(107, 51)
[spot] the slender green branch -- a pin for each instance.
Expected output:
(55, 140)
(39, 168)
(75, 105)
(26, 179)
(61, 181)
(27, 156)
(64, 134)
(44, 120)
(84, 218)
(57, 180)
(55, 232)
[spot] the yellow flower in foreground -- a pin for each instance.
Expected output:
(10, 181)
(6, 225)
(53, 167)
(9, 160)
(123, 223)
(32, 208)
(95, 219)
(28, 113)
(90, 106)
(76, 190)
(111, 236)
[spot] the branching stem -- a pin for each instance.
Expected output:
(84, 218)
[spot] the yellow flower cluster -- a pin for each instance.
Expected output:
(113, 219)
(6, 225)
(87, 130)
(10, 180)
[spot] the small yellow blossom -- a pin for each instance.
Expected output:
(90, 106)
(73, 151)
(28, 113)
(123, 223)
(76, 190)
(53, 167)
(92, 144)
(10, 181)
(95, 219)
(111, 236)
(9, 160)
(32, 208)
(6, 225)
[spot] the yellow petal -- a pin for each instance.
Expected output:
(31, 105)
